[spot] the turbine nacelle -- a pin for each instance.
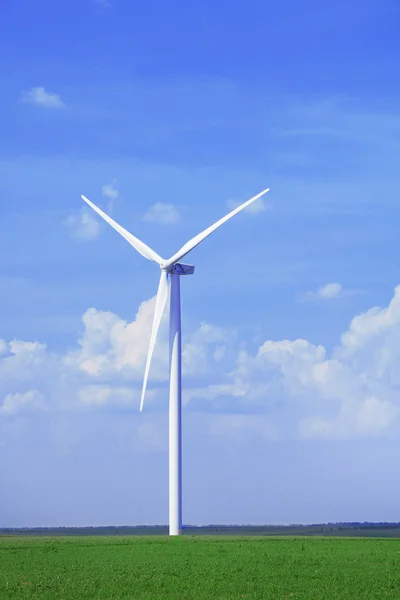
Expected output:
(180, 269)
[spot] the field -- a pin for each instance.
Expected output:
(199, 567)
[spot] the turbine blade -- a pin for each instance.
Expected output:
(140, 246)
(161, 299)
(202, 236)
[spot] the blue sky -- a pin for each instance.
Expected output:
(165, 115)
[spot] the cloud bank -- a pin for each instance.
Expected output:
(286, 389)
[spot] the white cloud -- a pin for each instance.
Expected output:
(375, 324)
(111, 347)
(287, 388)
(14, 403)
(83, 225)
(101, 395)
(24, 360)
(351, 393)
(205, 346)
(329, 291)
(39, 96)
(164, 214)
(111, 192)
(368, 417)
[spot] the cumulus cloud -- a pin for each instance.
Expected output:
(111, 192)
(329, 291)
(101, 395)
(206, 347)
(23, 360)
(351, 393)
(286, 388)
(14, 403)
(83, 225)
(375, 324)
(164, 214)
(113, 348)
(39, 97)
(369, 416)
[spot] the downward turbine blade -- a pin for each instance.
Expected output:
(140, 246)
(161, 299)
(202, 236)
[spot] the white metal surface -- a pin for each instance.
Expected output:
(161, 299)
(175, 411)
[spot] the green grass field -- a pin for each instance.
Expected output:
(198, 567)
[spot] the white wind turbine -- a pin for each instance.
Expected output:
(174, 269)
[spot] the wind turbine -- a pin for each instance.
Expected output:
(171, 269)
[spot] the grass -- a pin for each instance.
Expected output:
(198, 567)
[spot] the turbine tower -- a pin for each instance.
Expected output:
(171, 269)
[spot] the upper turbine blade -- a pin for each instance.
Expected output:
(161, 299)
(140, 246)
(202, 236)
